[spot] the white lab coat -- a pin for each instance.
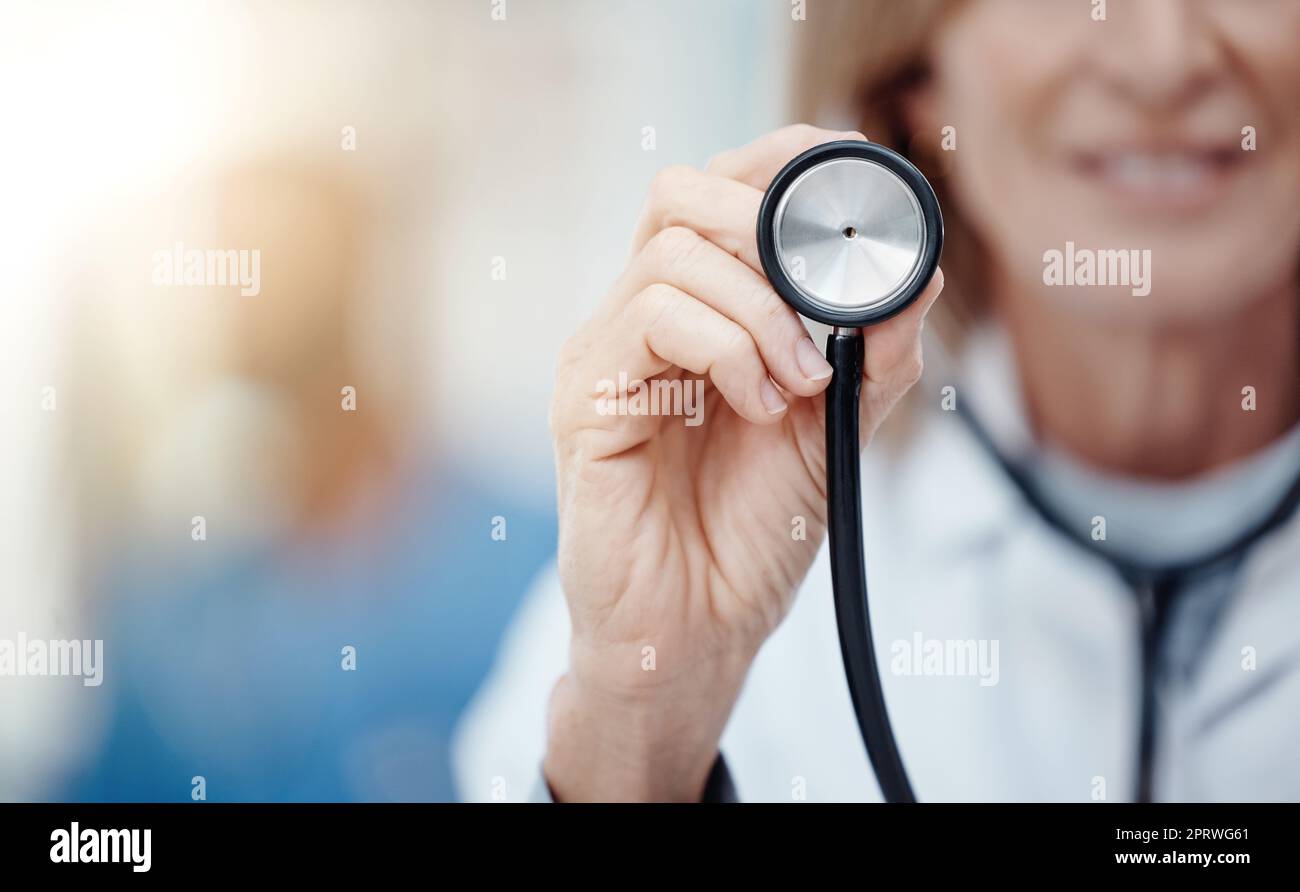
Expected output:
(954, 553)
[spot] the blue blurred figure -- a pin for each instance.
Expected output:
(319, 639)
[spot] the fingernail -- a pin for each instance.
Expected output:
(772, 400)
(811, 362)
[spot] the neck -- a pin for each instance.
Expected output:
(1151, 401)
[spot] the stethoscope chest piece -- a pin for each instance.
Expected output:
(849, 233)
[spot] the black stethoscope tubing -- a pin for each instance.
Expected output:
(844, 351)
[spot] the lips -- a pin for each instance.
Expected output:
(1177, 179)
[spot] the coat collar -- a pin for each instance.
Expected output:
(944, 464)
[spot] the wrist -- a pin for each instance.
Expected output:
(634, 746)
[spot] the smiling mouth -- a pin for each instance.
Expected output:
(1177, 179)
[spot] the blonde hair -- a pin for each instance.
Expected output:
(857, 60)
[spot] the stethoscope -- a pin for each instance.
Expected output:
(849, 234)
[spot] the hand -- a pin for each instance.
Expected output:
(678, 536)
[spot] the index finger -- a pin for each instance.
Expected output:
(757, 163)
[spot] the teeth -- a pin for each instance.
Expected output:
(1158, 173)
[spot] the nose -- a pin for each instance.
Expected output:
(1161, 53)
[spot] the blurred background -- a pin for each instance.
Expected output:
(231, 489)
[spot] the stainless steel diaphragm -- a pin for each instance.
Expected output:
(849, 233)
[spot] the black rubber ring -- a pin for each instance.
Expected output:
(932, 218)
